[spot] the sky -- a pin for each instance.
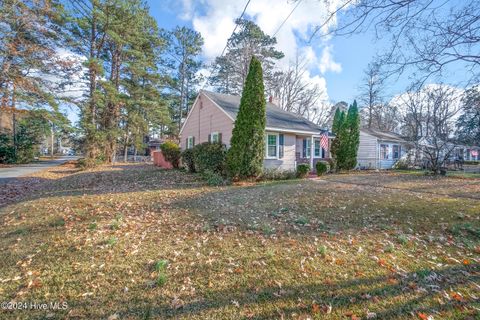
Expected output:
(336, 64)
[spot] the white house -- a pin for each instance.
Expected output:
(380, 149)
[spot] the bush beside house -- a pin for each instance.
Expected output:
(171, 152)
(303, 170)
(322, 167)
(210, 156)
(188, 160)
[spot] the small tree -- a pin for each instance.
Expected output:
(338, 121)
(245, 156)
(353, 136)
(345, 144)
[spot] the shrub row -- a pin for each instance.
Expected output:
(209, 159)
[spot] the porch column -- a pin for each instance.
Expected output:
(312, 149)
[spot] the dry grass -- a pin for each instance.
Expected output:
(134, 242)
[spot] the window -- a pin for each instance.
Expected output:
(272, 145)
(396, 151)
(190, 142)
(384, 152)
(317, 149)
(214, 137)
(307, 147)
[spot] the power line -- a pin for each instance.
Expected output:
(236, 26)
(226, 45)
(283, 22)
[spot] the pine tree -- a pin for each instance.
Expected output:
(245, 156)
(249, 41)
(351, 138)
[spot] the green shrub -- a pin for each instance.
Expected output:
(302, 170)
(171, 152)
(189, 160)
(7, 151)
(213, 178)
(209, 157)
(322, 167)
(277, 174)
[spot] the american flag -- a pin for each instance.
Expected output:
(324, 141)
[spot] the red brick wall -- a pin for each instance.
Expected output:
(159, 160)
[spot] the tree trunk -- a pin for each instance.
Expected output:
(91, 142)
(14, 120)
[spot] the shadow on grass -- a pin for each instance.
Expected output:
(387, 300)
(120, 179)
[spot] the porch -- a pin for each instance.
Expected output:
(310, 150)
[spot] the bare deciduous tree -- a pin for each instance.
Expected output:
(294, 93)
(427, 35)
(370, 98)
(429, 115)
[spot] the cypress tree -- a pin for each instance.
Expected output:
(338, 120)
(352, 138)
(245, 156)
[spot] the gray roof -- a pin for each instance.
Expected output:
(384, 135)
(276, 117)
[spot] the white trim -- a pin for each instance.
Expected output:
(214, 133)
(188, 115)
(277, 145)
(291, 131)
(315, 139)
(188, 142)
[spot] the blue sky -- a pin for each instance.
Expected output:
(335, 64)
(349, 55)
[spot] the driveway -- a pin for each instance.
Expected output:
(15, 171)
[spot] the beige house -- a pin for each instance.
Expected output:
(289, 139)
(380, 149)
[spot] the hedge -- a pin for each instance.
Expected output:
(209, 156)
(188, 159)
(302, 170)
(322, 167)
(171, 152)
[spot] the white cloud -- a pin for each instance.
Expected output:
(326, 62)
(214, 19)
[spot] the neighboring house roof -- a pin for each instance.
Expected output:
(384, 135)
(276, 117)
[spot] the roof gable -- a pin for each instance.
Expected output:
(384, 135)
(276, 117)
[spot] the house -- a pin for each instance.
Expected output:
(289, 139)
(468, 153)
(380, 149)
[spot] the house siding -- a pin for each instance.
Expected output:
(288, 160)
(205, 118)
(388, 163)
(367, 154)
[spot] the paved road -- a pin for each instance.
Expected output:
(10, 173)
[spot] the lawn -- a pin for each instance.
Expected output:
(134, 241)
